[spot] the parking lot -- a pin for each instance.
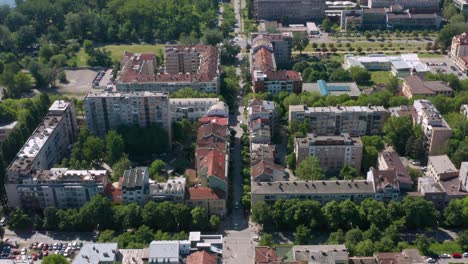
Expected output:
(443, 65)
(79, 82)
(19, 241)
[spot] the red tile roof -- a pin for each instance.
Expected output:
(212, 129)
(383, 178)
(214, 119)
(264, 167)
(215, 162)
(265, 255)
(264, 60)
(201, 257)
(205, 193)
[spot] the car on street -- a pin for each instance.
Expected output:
(255, 238)
(236, 226)
(430, 260)
(444, 255)
(456, 255)
(3, 221)
(236, 205)
(465, 255)
(35, 256)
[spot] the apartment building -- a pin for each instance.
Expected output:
(135, 185)
(321, 191)
(171, 190)
(265, 110)
(390, 161)
(333, 152)
(295, 11)
(441, 168)
(5, 129)
(334, 120)
(387, 186)
(421, 5)
(265, 171)
(288, 254)
(109, 110)
(58, 187)
(186, 66)
(408, 20)
(459, 47)
(47, 146)
(212, 200)
(262, 152)
(436, 131)
(194, 108)
(100, 253)
(415, 85)
(281, 45)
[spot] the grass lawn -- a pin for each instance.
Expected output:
(377, 46)
(117, 52)
(380, 76)
(446, 247)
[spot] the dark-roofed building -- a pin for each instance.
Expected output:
(407, 20)
(194, 66)
(390, 161)
(386, 184)
(373, 18)
(259, 152)
(415, 85)
(265, 171)
(266, 255)
(135, 185)
(212, 200)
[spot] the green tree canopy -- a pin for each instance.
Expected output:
(310, 169)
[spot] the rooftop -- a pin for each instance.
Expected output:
(212, 129)
(201, 257)
(265, 255)
(410, 60)
(265, 167)
(260, 152)
(384, 178)
(323, 254)
(66, 175)
(429, 114)
(96, 253)
(165, 249)
(134, 256)
(312, 187)
(260, 106)
(336, 109)
(223, 121)
(441, 164)
(418, 86)
(134, 178)
(141, 67)
(215, 164)
(338, 140)
(171, 186)
(393, 162)
(205, 193)
(326, 89)
(125, 94)
(462, 38)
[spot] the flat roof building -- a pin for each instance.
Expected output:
(336, 89)
(98, 253)
(334, 120)
(192, 109)
(400, 65)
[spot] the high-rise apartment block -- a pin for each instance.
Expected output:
(333, 152)
(296, 11)
(186, 66)
(48, 144)
(108, 110)
(436, 131)
(459, 49)
(354, 120)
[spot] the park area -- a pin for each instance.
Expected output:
(117, 52)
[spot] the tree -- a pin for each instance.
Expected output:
(200, 219)
(326, 24)
(340, 75)
(19, 220)
(449, 11)
(229, 52)
(211, 37)
(456, 213)
(291, 160)
(337, 237)
(423, 244)
(300, 41)
(261, 212)
(462, 239)
(397, 132)
(364, 248)
(266, 240)
(51, 218)
(303, 235)
(348, 172)
(156, 167)
(359, 74)
(115, 146)
(55, 259)
(393, 85)
(215, 221)
(120, 166)
(419, 213)
(97, 213)
(310, 169)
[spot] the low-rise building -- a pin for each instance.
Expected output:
(265, 171)
(172, 190)
(212, 200)
(135, 185)
(415, 85)
(336, 89)
(407, 256)
(259, 152)
(261, 135)
(387, 187)
(262, 109)
(109, 110)
(99, 253)
(399, 65)
(288, 254)
(168, 251)
(334, 120)
(134, 256)
(436, 131)
(333, 152)
(408, 20)
(281, 45)
(321, 191)
(59, 187)
(202, 257)
(190, 108)
(441, 168)
(390, 161)
(5, 129)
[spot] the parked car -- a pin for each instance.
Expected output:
(444, 255)
(35, 256)
(456, 255)
(3, 221)
(430, 260)
(465, 255)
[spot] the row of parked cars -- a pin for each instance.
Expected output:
(98, 78)
(447, 256)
